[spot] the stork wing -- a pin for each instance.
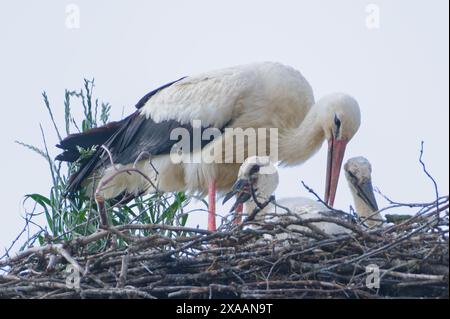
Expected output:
(212, 97)
(137, 135)
(147, 96)
(174, 105)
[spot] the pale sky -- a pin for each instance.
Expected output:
(397, 72)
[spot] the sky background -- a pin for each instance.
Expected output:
(398, 72)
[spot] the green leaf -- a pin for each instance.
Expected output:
(44, 202)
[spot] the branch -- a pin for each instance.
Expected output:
(429, 175)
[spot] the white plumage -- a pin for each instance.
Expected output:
(219, 96)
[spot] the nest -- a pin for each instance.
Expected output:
(407, 257)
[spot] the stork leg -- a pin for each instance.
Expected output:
(102, 211)
(212, 206)
(238, 214)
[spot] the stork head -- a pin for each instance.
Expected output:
(257, 173)
(358, 173)
(340, 118)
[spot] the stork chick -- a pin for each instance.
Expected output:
(358, 172)
(260, 175)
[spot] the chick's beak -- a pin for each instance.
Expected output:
(240, 189)
(365, 191)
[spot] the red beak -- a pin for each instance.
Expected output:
(336, 150)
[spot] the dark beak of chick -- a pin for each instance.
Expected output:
(240, 189)
(365, 191)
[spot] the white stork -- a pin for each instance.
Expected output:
(259, 95)
(257, 174)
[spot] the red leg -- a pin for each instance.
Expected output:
(102, 211)
(212, 206)
(238, 214)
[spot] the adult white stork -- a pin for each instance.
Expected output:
(259, 95)
(259, 175)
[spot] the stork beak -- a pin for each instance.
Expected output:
(365, 192)
(336, 150)
(240, 189)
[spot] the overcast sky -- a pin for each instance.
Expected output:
(397, 69)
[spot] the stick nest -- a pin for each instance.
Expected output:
(410, 256)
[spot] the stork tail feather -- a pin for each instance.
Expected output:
(93, 137)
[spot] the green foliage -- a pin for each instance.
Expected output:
(68, 218)
(85, 152)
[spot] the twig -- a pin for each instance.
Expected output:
(429, 176)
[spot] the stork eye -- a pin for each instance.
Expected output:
(254, 169)
(337, 121)
(351, 175)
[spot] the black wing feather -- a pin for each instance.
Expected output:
(93, 137)
(137, 135)
(147, 96)
(125, 139)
